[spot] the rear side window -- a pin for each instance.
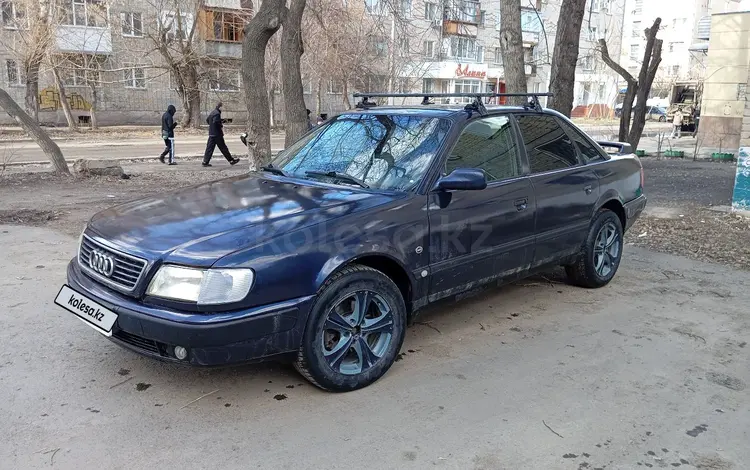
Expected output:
(547, 146)
(588, 151)
(487, 144)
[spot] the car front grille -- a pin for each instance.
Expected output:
(137, 342)
(127, 269)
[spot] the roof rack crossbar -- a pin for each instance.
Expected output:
(475, 105)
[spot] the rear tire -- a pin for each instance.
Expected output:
(354, 331)
(602, 251)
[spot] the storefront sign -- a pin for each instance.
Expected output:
(465, 71)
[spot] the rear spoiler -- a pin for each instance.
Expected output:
(621, 148)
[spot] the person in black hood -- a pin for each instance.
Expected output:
(167, 133)
(216, 138)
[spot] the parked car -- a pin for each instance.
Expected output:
(653, 113)
(324, 256)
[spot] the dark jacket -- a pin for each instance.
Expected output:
(167, 122)
(215, 125)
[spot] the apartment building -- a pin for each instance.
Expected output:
(106, 56)
(454, 48)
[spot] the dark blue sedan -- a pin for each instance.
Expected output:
(324, 256)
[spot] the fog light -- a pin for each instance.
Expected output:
(180, 352)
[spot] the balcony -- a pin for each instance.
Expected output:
(457, 28)
(84, 39)
(230, 50)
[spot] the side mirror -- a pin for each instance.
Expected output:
(466, 179)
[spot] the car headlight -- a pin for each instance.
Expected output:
(203, 286)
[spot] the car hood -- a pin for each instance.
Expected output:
(201, 224)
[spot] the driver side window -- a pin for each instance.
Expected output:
(488, 144)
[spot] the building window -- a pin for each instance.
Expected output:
(466, 11)
(430, 11)
(637, 29)
(223, 79)
(15, 77)
(463, 48)
(466, 87)
(638, 7)
(404, 8)
(335, 87)
(482, 18)
(592, 33)
(12, 15)
(428, 85)
(85, 13)
(227, 26)
(379, 46)
(634, 51)
(132, 24)
(403, 46)
(176, 26)
(586, 62)
(134, 76)
(428, 49)
(498, 58)
(676, 70)
(81, 71)
(374, 7)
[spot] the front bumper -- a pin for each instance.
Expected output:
(255, 334)
(633, 210)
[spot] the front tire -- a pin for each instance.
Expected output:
(355, 330)
(602, 251)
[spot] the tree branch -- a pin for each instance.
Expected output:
(614, 65)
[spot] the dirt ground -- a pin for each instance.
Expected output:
(648, 372)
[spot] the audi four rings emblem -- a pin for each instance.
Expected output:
(101, 263)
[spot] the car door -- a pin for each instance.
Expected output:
(480, 236)
(566, 189)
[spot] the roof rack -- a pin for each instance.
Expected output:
(476, 105)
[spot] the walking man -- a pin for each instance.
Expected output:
(167, 133)
(216, 138)
(677, 124)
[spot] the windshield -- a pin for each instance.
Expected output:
(389, 152)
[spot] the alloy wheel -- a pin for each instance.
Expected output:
(357, 332)
(606, 249)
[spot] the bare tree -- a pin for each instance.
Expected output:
(565, 56)
(28, 35)
(511, 47)
(273, 76)
(174, 37)
(636, 88)
(258, 31)
(64, 103)
(30, 125)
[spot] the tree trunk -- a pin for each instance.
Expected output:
(345, 93)
(72, 124)
(258, 31)
(30, 125)
(632, 89)
(32, 92)
(94, 105)
(272, 107)
(565, 56)
(190, 96)
(295, 112)
(649, 67)
(319, 98)
(511, 48)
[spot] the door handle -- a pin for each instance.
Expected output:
(521, 204)
(588, 189)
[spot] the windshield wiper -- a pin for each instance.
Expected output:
(274, 170)
(339, 176)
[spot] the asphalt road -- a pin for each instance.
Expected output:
(25, 151)
(651, 371)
